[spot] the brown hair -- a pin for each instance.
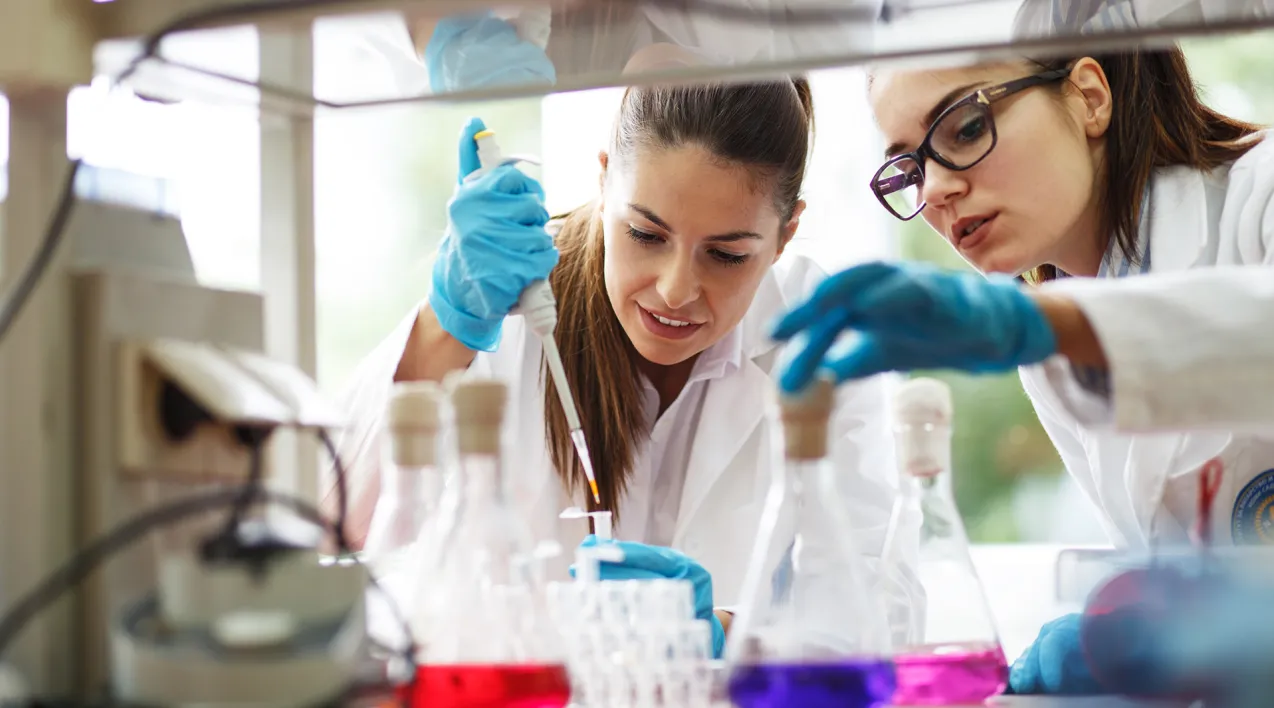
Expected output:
(1158, 121)
(764, 126)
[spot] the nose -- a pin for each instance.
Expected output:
(941, 185)
(678, 282)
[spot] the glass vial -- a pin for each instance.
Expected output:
(958, 660)
(485, 637)
(411, 484)
(811, 633)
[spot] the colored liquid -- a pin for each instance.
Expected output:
(490, 686)
(850, 684)
(950, 675)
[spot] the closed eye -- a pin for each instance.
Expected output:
(727, 258)
(643, 237)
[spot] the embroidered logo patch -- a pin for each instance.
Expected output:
(1253, 519)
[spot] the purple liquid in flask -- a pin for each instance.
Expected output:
(843, 684)
(950, 675)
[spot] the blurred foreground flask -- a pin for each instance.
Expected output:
(484, 636)
(958, 660)
(812, 634)
(411, 485)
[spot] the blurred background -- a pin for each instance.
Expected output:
(383, 178)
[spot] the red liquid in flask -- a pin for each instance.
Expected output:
(950, 674)
(490, 686)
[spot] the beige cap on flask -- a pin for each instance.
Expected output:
(805, 417)
(414, 419)
(479, 411)
(922, 426)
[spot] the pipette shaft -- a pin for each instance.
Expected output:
(539, 307)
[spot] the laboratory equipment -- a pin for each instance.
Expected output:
(411, 485)
(539, 307)
(64, 454)
(631, 642)
(818, 637)
(958, 659)
(484, 635)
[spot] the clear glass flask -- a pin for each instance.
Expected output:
(813, 633)
(484, 635)
(958, 660)
(411, 484)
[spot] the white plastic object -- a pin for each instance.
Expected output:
(588, 560)
(922, 426)
(254, 629)
(601, 521)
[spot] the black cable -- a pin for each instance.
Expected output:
(82, 564)
(342, 493)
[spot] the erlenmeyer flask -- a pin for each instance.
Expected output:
(813, 635)
(958, 660)
(411, 484)
(484, 635)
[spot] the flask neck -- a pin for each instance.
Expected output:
(803, 477)
(481, 476)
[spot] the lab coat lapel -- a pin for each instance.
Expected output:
(1179, 225)
(732, 409)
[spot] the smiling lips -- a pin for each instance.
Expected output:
(667, 327)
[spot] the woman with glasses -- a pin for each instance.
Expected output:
(1089, 167)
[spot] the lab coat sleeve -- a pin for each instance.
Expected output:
(1191, 350)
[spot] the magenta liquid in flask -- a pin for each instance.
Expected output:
(957, 660)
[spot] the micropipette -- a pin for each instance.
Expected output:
(539, 307)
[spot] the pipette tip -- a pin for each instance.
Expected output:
(592, 485)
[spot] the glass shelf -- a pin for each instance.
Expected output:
(528, 49)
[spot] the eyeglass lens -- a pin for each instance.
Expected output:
(958, 141)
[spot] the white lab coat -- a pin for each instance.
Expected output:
(732, 459)
(1197, 220)
(1198, 354)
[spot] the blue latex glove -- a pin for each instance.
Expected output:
(478, 50)
(1054, 663)
(494, 248)
(643, 562)
(912, 316)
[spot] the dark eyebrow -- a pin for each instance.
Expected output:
(731, 237)
(936, 111)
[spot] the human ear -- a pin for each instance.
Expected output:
(789, 229)
(1093, 90)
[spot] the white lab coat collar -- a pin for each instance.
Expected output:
(1180, 227)
(731, 413)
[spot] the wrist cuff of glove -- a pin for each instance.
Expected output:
(718, 636)
(1036, 340)
(475, 333)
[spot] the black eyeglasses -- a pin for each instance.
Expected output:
(961, 137)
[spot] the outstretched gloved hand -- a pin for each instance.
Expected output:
(479, 50)
(495, 246)
(643, 562)
(913, 316)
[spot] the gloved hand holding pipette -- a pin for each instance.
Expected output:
(644, 562)
(495, 247)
